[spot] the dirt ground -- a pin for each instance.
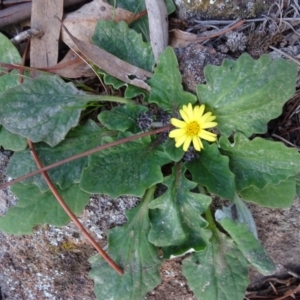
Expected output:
(52, 262)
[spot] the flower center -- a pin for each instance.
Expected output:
(192, 128)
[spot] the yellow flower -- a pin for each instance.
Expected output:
(193, 126)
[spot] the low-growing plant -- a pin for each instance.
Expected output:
(180, 152)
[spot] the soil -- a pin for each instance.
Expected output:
(52, 262)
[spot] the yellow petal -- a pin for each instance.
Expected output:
(190, 111)
(195, 111)
(196, 143)
(184, 107)
(205, 117)
(184, 115)
(178, 123)
(207, 132)
(211, 118)
(187, 143)
(209, 125)
(211, 137)
(176, 133)
(180, 141)
(199, 112)
(201, 145)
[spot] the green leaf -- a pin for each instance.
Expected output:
(122, 118)
(245, 94)
(34, 208)
(219, 272)
(139, 5)
(128, 168)
(297, 179)
(78, 140)
(280, 195)
(174, 153)
(249, 246)
(130, 249)
(110, 80)
(259, 162)
(125, 44)
(131, 91)
(132, 5)
(244, 215)
(176, 215)
(170, 6)
(239, 213)
(8, 52)
(10, 141)
(134, 91)
(9, 80)
(166, 88)
(211, 169)
(42, 109)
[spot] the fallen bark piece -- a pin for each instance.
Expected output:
(44, 50)
(158, 25)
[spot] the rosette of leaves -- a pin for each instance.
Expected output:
(244, 95)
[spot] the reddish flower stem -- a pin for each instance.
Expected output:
(86, 153)
(70, 213)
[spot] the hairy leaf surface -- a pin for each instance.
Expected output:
(10, 141)
(218, 272)
(128, 169)
(127, 44)
(122, 118)
(281, 195)
(34, 208)
(176, 215)
(9, 54)
(249, 246)
(245, 94)
(130, 249)
(78, 140)
(259, 162)
(42, 109)
(166, 88)
(211, 169)
(174, 153)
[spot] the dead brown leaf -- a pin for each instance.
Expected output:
(180, 38)
(112, 64)
(72, 66)
(82, 22)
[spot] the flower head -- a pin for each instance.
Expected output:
(192, 128)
